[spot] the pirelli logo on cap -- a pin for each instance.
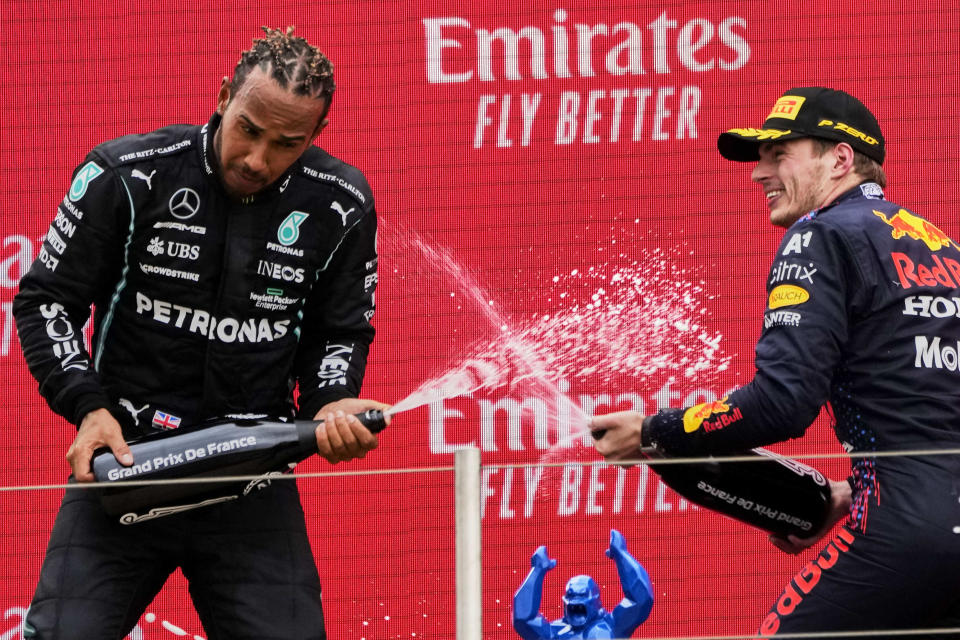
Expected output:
(787, 107)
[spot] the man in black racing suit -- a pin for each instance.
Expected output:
(227, 264)
(863, 313)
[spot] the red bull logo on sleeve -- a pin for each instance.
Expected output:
(698, 415)
(905, 223)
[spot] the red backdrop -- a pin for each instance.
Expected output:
(520, 158)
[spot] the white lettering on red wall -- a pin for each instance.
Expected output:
(620, 50)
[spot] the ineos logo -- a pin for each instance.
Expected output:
(184, 203)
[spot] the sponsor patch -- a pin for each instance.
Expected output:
(931, 354)
(87, 174)
(804, 582)
(905, 224)
(282, 272)
(167, 272)
(931, 307)
(333, 367)
(787, 107)
(165, 420)
(781, 319)
(786, 295)
(289, 231)
(700, 415)
(783, 271)
(227, 330)
(943, 271)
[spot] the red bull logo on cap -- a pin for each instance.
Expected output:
(905, 223)
(787, 107)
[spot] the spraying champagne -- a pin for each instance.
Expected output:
(773, 493)
(244, 447)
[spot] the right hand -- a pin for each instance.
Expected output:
(98, 429)
(342, 436)
(618, 436)
(541, 560)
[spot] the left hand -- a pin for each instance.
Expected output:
(620, 439)
(342, 437)
(841, 497)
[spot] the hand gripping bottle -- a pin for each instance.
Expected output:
(246, 447)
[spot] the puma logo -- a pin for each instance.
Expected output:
(336, 206)
(136, 173)
(126, 404)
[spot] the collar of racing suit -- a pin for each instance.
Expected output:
(870, 190)
(211, 165)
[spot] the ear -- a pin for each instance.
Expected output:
(223, 96)
(843, 156)
(320, 127)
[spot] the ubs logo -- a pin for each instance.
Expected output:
(184, 203)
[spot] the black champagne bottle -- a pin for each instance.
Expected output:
(243, 447)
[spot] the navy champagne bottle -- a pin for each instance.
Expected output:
(245, 447)
(773, 493)
(760, 488)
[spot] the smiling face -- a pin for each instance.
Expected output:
(265, 128)
(795, 178)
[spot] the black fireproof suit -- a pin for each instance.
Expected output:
(863, 313)
(204, 307)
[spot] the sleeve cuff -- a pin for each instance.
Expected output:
(310, 406)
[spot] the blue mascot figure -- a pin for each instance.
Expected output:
(583, 615)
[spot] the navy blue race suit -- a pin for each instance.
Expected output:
(863, 313)
(204, 306)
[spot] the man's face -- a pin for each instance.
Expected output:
(265, 128)
(795, 180)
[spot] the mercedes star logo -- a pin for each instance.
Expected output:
(184, 203)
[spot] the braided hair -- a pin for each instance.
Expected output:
(291, 61)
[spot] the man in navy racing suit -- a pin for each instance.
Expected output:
(228, 264)
(863, 313)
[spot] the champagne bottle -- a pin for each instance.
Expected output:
(243, 447)
(773, 493)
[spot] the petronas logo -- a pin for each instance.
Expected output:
(80, 183)
(289, 231)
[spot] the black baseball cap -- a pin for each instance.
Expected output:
(809, 112)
